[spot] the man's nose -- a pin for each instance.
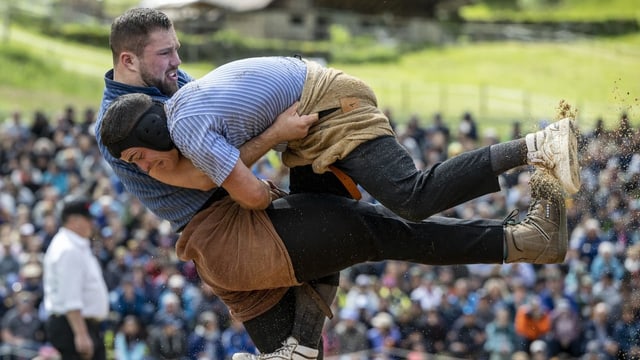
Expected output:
(176, 59)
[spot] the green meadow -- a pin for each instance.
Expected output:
(498, 82)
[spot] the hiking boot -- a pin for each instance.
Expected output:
(541, 237)
(290, 350)
(556, 149)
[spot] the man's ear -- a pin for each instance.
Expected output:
(129, 60)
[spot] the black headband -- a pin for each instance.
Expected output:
(150, 131)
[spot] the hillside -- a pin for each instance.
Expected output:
(499, 82)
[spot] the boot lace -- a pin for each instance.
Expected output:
(512, 219)
(286, 352)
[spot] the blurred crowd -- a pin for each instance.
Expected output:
(586, 308)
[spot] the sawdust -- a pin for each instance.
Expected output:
(565, 110)
(545, 186)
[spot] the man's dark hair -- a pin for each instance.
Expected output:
(130, 31)
(75, 205)
(121, 117)
(133, 120)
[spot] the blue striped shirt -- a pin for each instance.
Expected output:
(210, 118)
(174, 204)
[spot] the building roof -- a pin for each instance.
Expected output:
(231, 5)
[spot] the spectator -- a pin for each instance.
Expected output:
(393, 298)
(606, 262)
(9, 264)
(384, 335)
(363, 296)
(116, 267)
(532, 322)
(167, 339)
(501, 336)
(438, 126)
(130, 342)
(627, 333)
(170, 309)
(31, 280)
(632, 262)
(524, 273)
(127, 300)
(462, 296)
(22, 330)
(497, 292)
(566, 330)
(435, 331)
(40, 127)
(205, 342)
(14, 127)
(538, 350)
(620, 235)
(607, 290)
(584, 297)
(428, 293)
(554, 290)
(483, 310)
(236, 339)
(468, 130)
(466, 337)
(351, 334)
(189, 296)
(587, 245)
(210, 302)
(599, 333)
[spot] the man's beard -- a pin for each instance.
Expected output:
(165, 87)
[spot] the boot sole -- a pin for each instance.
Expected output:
(559, 247)
(567, 168)
(563, 234)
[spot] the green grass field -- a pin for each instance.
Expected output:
(497, 82)
(574, 10)
(502, 82)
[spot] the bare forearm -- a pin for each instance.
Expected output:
(246, 189)
(81, 338)
(257, 147)
(288, 126)
(76, 321)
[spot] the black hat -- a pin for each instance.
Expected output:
(74, 205)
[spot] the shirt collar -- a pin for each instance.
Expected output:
(116, 88)
(75, 238)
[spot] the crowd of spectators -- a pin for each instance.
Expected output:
(587, 308)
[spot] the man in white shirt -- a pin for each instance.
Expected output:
(75, 293)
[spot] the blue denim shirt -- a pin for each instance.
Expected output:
(174, 204)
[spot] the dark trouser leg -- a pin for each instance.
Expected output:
(298, 314)
(269, 330)
(60, 334)
(385, 169)
(325, 234)
(309, 318)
